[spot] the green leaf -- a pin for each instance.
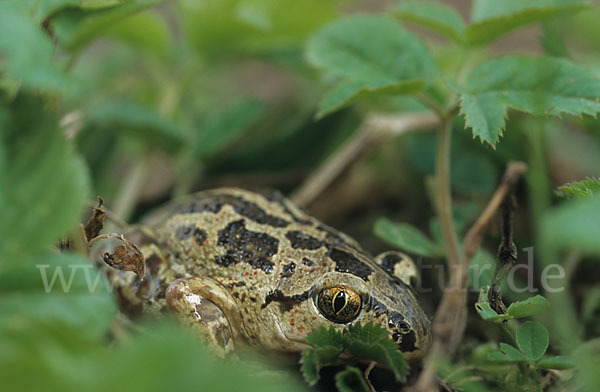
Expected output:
(135, 364)
(407, 238)
(41, 328)
(39, 10)
(44, 186)
(60, 293)
(590, 309)
(145, 30)
(139, 121)
(28, 59)
(557, 362)
(528, 307)
(462, 378)
(507, 353)
(314, 359)
(309, 368)
(384, 352)
(351, 380)
(519, 309)
(364, 342)
(371, 342)
(438, 17)
(581, 189)
(325, 337)
(485, 311)
(370, 54)
(485, 114)
(481, 270)
(226, 126)
(552, 39)
(75, 28)
(532, 338)
(587, 362)
(347, 92)
(94, 4)
(327, 344)
(367, 333)
(492, 19)
(474, 174)
(220, 29)
(575, 225)
(539, 86)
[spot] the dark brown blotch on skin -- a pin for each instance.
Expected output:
(222, 334)
(248, 246)
(288, 270)
(307, 262)
(285, 302)
(377, 307)
(184, 232)
(407, 342)
(347, 262)
(214, 203)
(389, 261)
(153, 263)
(127, 306)
(333, 237)
(403, 335)
(302, 240)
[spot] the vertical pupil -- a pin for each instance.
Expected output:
(339, 301)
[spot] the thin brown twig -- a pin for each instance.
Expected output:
(472, 240)
(443, 204)
(450, 319)
(506, 256)
(375, 130)
(367, 374)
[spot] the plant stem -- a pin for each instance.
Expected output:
(450, 319)
(508, 335)
(510, 338)
(433, 105)
(131, 188)
(375, 131)
(444, 194)
(565, 330)
(450, 316)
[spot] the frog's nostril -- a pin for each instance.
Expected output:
(397, 321)
(404, 327)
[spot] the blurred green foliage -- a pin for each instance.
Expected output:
(141, 100)
(362, 342)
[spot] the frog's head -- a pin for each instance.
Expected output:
(379, 293)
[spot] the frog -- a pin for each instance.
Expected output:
(251, 270)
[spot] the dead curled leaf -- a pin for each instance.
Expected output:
(126, 257)
(96, 222)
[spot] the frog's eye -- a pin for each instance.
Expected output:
(340, 304)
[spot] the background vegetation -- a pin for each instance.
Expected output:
(143, 100)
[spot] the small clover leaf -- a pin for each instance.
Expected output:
(533, 339)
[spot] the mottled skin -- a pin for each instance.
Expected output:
(246, 270)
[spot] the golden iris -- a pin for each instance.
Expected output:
(340, 304)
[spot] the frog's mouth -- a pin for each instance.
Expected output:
(289, 337)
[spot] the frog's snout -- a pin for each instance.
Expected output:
(402, 332)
